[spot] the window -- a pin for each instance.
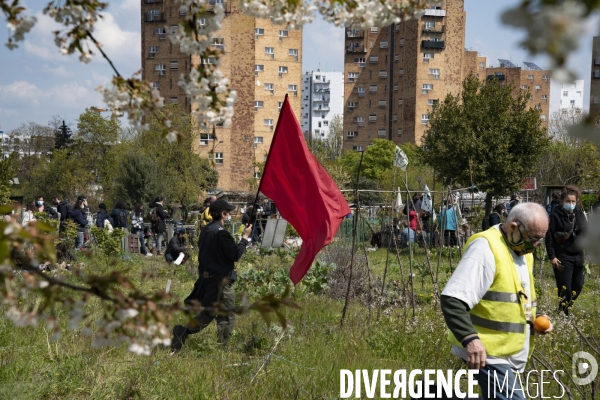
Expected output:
(427, 87)
(268, 122)
(545, 78)
(572, 102)
(538, 87)
(543, 117)
(578, 94)
(381, 132)
(424, 119)
(482, 65)
(259, 139)
(259, 31)
(258, 68)
(174, 100)
(292, 88)
(374, 29)
(383, 44)
(182, 11)
(269, 86)
(205, 137)
(372, 118)
(401, 72)
(523, 87)
(153, 49)
(595, 99)
(402, 42)
(202, 21)
(399, 102)
(374, 59)
(432, 102)
(218, 158)
(279, 105)
(396, 58)
(283, 33)
(372, 88)
(155, 85)
(352, 105)
(428, 55)
(360, 90)
(435, 72)
(159, 31)
(361, 61)
(293, 52)
(160, 68)
(283, 70)
(258, 104)
(399, 131)
(429, 25)
(383, 73)
(174, 65)
(270, 50)
(565, 94)
(395, 88)
(382, 103)
(209, 60)
(351, 134)
(596, 73)
(544, 97)
(530, 77)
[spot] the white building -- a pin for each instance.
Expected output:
(566, 95)
(322, 99)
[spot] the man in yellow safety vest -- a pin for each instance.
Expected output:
(489, 303)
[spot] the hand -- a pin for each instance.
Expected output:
(247, 231)
(556, 264)
(476, 354)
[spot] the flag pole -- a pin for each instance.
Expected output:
(254, 205)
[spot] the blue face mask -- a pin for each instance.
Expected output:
(569, 207)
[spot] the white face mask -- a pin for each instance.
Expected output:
(40, 203)
(229, 218)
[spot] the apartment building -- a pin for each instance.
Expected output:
(564, 96)
(322, 99)
(530, 78)
(595, 82)
(263, 62)
(394, 75)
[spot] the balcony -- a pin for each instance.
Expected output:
(429, 29)
(500, 77)
(354, 49)
(321, 108)
(327, 90)
(355, 34)
(321, 100)
(435, 13)
(149, 17)
(432, 44)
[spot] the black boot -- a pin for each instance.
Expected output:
(180, 333)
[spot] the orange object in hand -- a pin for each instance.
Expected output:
(541, 324)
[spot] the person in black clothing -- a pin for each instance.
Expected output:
(103, 216)
(514, 200)
(78, 217)
(62, 209)
(596, 205)
(41, 206)
(554, 203)
(176, 246)
(85, 208)
(567, 223)
(160, 226)
(217, 254)
(494, 218)
(119, 215)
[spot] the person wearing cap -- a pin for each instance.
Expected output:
(176, 247)
(217, 254)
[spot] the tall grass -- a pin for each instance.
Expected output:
(306, 362)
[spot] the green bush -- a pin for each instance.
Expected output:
(109, 243)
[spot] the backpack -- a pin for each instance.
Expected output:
(485, 223)
(121, 221)
(153, 216)
(550, 208)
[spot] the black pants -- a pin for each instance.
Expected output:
(569, 281)
(450, 238)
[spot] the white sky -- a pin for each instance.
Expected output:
(38, 82)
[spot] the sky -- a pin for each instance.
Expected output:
(39, 83)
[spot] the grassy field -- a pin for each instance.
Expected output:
(303, 362)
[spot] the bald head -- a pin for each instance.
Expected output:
(532, 216)
(212, 199)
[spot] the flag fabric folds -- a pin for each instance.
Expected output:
(304, 193)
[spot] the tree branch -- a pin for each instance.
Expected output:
(89, 34)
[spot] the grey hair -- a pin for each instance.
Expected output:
(526, 214)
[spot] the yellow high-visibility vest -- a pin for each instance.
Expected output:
(499, 318)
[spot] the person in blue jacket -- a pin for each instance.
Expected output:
(448, 224)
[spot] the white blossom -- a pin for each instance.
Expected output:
(139, 349)
(18, 30)
(124, 314)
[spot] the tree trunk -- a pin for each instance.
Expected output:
(488, 204)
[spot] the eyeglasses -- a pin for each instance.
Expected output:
(527, 237)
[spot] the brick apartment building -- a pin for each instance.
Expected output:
(595, 82)
(263, 63)
(395, 75)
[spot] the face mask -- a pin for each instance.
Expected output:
(520, 246)
(569, 207)
(229, 218)
(39, 203)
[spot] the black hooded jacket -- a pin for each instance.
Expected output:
(561, 221)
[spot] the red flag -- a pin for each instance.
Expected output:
(304, 193)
